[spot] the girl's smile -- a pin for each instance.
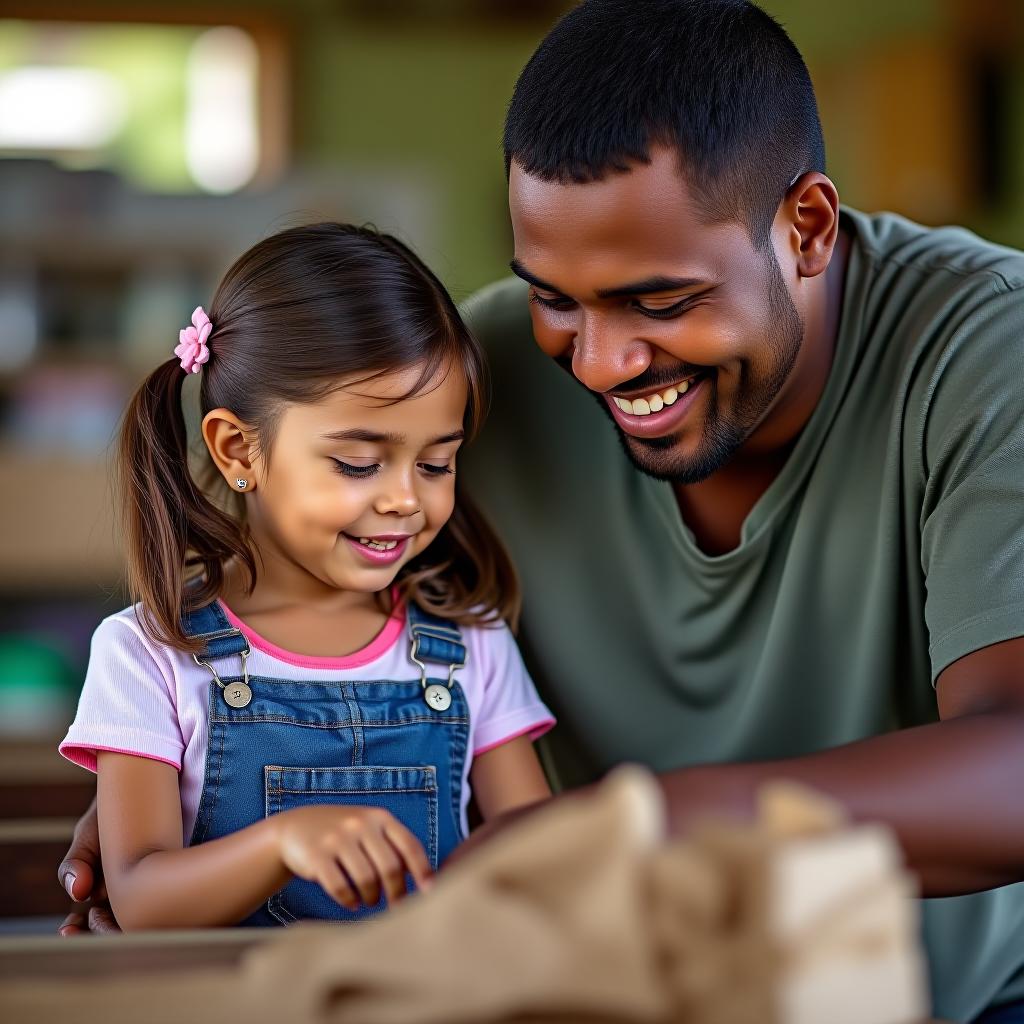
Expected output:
(355, 485)
(380, 550)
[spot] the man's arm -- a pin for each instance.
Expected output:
(81, 874)
(953, 791)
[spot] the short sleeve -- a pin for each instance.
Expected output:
(972, 514)
(509, 705)
(128, 701)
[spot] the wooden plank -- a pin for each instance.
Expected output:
(119, 956)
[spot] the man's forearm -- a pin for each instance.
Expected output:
(953, 792)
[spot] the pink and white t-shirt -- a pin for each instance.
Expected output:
(151, 700)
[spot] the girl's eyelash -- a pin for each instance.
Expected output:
(356, 472)
(363, 472)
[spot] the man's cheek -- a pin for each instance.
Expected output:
(551, 341)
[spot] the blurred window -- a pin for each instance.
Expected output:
(170, 108)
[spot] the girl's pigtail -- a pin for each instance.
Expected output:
(169, 525)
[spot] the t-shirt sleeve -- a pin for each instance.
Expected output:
(972, 474)
(128, 701)
(509, 705)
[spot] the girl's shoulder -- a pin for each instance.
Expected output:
(122, 635)
(489, 642)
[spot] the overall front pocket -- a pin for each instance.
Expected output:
(409, 793)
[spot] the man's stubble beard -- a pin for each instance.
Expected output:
(722, 438)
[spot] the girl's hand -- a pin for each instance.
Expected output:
(353, 853)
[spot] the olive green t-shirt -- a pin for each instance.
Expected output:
(891, 544)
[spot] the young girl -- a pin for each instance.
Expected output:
(289, 722)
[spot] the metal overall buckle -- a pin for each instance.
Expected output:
(437, 696)
(237, 694)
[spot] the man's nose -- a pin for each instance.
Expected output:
(605, 356)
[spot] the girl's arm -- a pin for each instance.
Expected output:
(153, 882)
(507, 778)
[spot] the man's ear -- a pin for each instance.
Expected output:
(229, 442)
(810, 212)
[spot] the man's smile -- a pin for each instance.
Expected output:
(657, 413)
(651, 401)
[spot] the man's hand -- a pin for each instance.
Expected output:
(81, 875)
(484, 833)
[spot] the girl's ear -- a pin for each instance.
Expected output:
(230, 444)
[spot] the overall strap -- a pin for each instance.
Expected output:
(435, 640)
(211, 625)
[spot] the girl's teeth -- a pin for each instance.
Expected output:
(379, 545)
(657, 402)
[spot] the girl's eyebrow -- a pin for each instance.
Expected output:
(374, 437)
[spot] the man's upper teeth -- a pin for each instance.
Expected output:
(652, 403)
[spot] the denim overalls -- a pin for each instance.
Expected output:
(276, 744)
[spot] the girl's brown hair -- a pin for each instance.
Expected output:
(295, 314)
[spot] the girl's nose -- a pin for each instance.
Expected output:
(398, 499)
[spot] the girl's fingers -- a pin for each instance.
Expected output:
(362, 873)
(335, 883)
(390, 869)
(411, 851)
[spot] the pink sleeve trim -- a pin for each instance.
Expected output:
(85, 756)
(534, 731)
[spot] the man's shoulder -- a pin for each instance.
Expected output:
(498, 311)
(896, 246)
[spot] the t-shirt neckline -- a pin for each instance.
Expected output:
(376, 648)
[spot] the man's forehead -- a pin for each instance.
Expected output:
(644, 192)
(626, 227)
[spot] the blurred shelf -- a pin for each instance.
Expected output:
(41, 798)
(56, 524)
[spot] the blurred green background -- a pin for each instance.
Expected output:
(144, 145)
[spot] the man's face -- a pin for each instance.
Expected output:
(686, 333)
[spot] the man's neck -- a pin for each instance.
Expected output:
(716, 508)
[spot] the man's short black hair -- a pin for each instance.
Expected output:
(717, 80)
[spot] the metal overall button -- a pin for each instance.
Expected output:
(436, 696)
(237, 694)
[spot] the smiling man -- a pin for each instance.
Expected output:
(810, 562)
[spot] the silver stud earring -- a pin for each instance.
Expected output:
(242, 484)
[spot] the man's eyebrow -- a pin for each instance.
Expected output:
(375, 437)
(520, 271)
(648, 286)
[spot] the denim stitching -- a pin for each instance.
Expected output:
(363, 724)
(214, 783)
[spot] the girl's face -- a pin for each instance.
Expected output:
(359, 483)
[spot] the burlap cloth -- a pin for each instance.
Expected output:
(582, 913)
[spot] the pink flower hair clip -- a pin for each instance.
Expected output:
(192, 349)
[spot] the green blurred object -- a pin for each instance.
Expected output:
(37, 688)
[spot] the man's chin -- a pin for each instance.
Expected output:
(672, 460)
